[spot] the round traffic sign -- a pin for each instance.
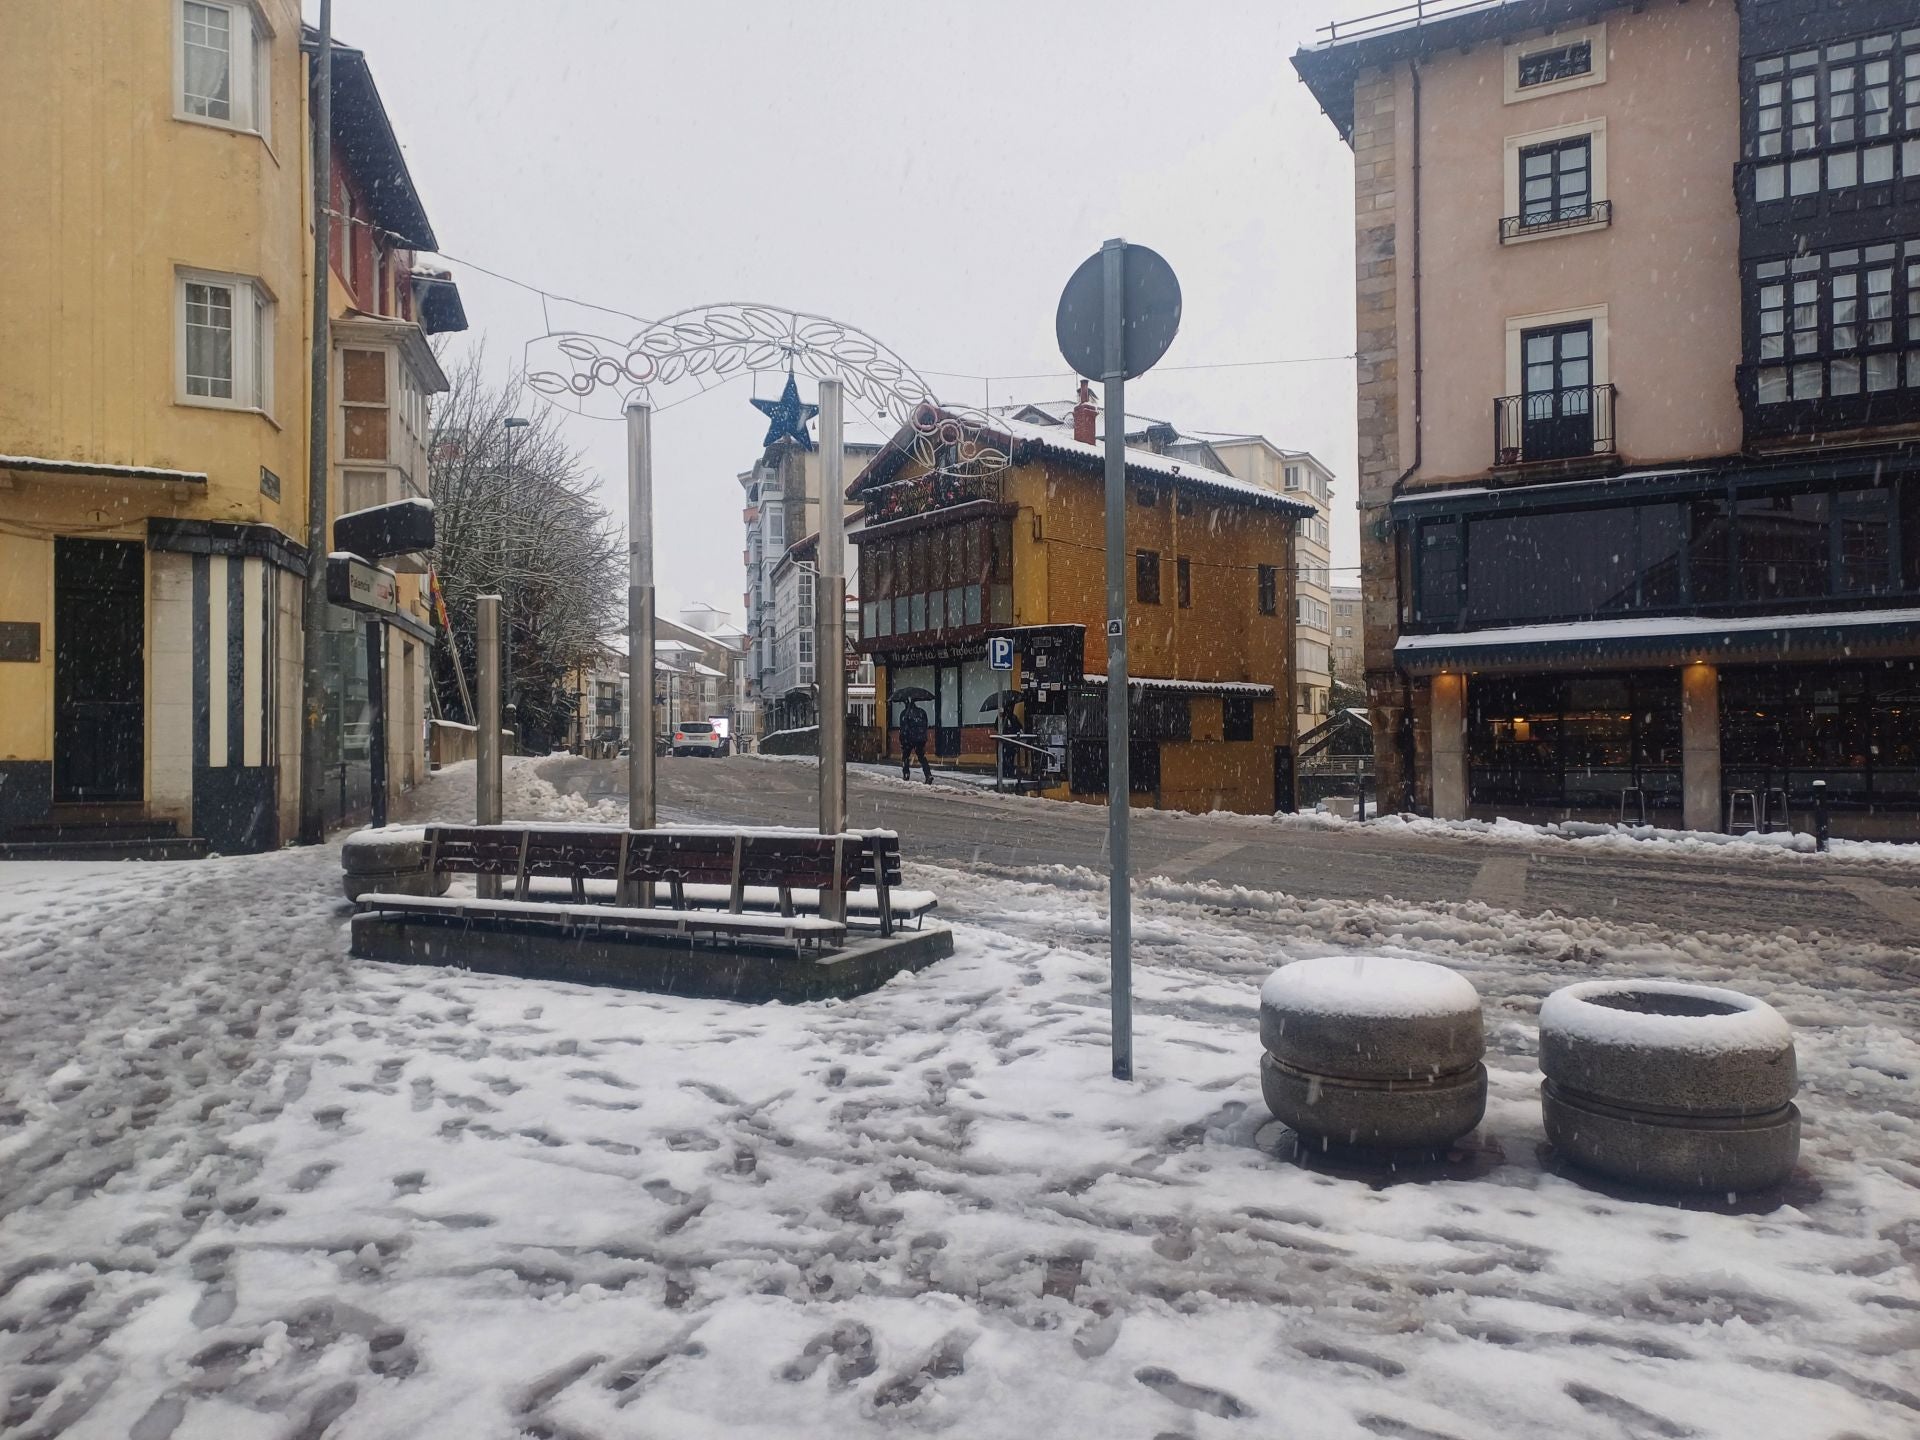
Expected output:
(1149, 312)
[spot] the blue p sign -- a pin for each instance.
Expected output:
(1000, 652)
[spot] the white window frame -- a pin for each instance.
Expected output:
(1595, 130)
(1518, 324)
(249, 68)
(1596, 37)
(252, 344)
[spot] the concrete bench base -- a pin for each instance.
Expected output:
(1398, 1115)
(664, 964)
(1673, 1152)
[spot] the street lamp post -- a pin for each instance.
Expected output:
(512, 424)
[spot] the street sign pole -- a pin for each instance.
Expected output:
(1117, 316)
(377, 718)
(1119, 893)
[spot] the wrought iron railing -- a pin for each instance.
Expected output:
(1565, 424)
(1402, 17)
(1595, 212)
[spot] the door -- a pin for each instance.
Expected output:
(1283, 801)
(1558, 399)
(99, 670)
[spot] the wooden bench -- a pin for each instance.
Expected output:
(779, 860)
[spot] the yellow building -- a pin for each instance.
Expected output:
(947, 562)
(155, 283)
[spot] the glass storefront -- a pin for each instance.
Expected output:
(1574, 742)
(1857, 727)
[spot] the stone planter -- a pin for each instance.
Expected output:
(389, 861)
(1372, 1052)
(1670, 1086)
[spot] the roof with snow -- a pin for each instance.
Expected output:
(1190, 687)
(1028, 440)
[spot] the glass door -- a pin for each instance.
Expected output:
(1558, 385)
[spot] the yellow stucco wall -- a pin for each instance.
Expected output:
(108, 196)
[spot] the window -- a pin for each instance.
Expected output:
(1236, 717)
(1550, 64)
(1309, 612)
(1146, 496)
(1269, 585)
(1293, 481)
(1556, 181)
(223, 341)
(362, 490)
(1839, 323)
(1146, 577)
(1183, 581)
(1562, 62)
(363, 404)
(222, 67)
(1825, 118)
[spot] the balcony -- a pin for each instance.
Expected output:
(1565, 425)
(924, 493)
(1595, 215)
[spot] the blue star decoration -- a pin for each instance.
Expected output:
(788, 415)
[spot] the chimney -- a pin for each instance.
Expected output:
(1083, 415)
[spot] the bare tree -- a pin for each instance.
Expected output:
(514, 516)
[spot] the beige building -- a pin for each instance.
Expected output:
(1638, 291)
(155, 292)
(1348, 658)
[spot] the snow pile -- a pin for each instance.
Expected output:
(1778, 844)
(251, 1188)
(1382, 986)
(1733, 1023)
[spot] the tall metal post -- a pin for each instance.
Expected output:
(641, 770)
(377, 717)
(830, 629)
(313, 668)
(487, 773)
(1119, 895)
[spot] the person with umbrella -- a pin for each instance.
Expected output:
(913, 734)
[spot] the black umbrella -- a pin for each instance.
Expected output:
(1000, 697)
(910, 692)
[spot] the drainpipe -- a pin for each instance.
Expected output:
(313, 823)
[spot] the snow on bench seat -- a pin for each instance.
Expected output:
(604, 917)
(911, 904)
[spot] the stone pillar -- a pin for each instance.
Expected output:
(1700, 746)
(1449, 746)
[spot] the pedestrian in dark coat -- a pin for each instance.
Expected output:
(913, 741)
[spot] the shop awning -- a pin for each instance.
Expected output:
(1667, 640)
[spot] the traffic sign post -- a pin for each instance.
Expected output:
(1117, 316)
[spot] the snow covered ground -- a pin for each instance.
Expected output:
(249, 1187)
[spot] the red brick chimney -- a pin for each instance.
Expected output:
(1083, 415)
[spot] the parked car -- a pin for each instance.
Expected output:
(698, 737)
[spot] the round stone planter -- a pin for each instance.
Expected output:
(1372, 1052)
(1668, 1085)
(391, 861)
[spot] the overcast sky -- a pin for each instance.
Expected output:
(929, 173)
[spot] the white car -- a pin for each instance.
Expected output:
(697, 737)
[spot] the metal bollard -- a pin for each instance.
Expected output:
(1821, 830)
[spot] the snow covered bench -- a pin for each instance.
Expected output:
(777, 860)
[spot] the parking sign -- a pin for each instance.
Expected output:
(1000, 652)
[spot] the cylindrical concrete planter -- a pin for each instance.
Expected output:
(390, 861)
(1372, 1052)
(1669, 1085)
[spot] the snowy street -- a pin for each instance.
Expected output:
(253, 1188)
